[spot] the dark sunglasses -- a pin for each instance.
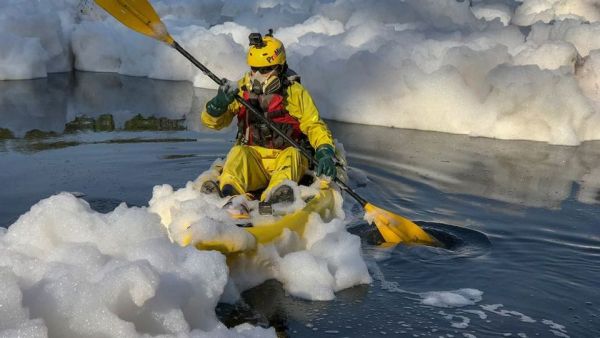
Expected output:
(263, 70)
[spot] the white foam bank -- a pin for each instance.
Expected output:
(68, 271)
(495, 68)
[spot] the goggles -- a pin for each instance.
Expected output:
(263, 70)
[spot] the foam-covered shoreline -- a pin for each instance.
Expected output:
(492, 68)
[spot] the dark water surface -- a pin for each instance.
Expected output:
(521, 219)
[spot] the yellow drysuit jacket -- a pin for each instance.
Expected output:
(299, 104)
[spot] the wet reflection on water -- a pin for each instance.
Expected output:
(35, 104)
(49, 104)
(520, 172)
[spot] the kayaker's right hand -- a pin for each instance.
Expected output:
(324, 156)
(225, 96)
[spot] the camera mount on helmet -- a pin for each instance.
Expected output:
(256, 39)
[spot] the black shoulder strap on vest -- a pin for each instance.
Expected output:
(291, 76)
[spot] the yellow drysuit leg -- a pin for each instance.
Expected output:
(243, 170)
(288, 164)
(249, 168)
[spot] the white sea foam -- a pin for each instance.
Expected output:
(498, 309)
(314, 266)
(442, 66)
(67, 271)
(450, 299)
(457, 321)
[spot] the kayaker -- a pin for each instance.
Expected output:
(261, 159)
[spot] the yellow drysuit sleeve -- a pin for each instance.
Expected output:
(300, 105)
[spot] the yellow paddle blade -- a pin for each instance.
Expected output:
(138, 15)
(397, 229)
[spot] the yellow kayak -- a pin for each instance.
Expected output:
(266, 230)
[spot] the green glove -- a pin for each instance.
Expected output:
(225, 96)
(324, 157)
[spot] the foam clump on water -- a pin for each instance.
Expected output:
(68, 271)
(332, 261)
(314, 266)
(451, 299)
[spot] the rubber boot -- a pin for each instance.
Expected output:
(283, 194)
(229, 190)
(210, 187)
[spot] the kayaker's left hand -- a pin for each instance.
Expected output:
(225, 96)
(324, 157)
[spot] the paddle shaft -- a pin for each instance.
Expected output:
(265, 120)
(196, 63)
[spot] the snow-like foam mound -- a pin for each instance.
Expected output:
(68, 270)
(430, 65)
(325, 259)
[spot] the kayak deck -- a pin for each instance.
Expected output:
(266, 231)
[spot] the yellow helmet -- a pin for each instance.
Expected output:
(265, 52)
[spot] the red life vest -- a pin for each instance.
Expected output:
(252, 131)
